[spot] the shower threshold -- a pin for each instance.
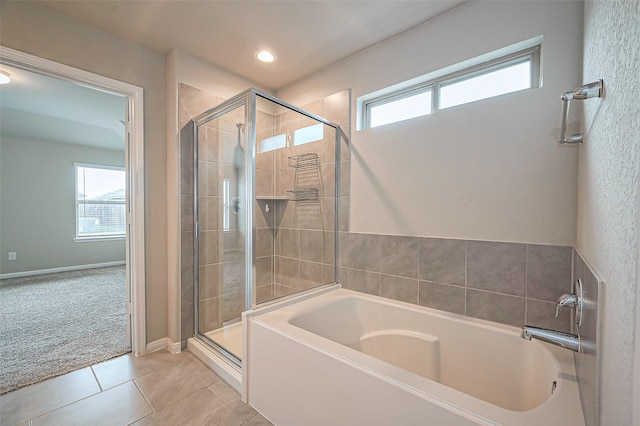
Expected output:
(216, 361)
(229, 337)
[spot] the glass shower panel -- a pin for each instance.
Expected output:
(284, 240)
(222, 227)
(295, 201)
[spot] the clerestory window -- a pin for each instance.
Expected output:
(508, 73)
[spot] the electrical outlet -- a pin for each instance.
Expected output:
(13, 255)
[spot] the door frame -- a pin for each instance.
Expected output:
(134, 154)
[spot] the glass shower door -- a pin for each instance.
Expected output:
(265, 210)
(221, 230)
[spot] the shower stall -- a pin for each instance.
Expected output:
(265, 208)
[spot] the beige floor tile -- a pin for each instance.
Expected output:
(120, 405)
(118, 370)
(32, 401)
(185, 376)
(258, 420)
(224, 391)
(200, 408)
(242, 410)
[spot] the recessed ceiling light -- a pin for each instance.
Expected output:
(265, 56)
(4, 77)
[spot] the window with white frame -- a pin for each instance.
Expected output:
(100, 201)
(508, 73)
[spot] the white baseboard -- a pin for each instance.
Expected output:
(61, 269)
(174, 347)
(156, 345)
(164, 343)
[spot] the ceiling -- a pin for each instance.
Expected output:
(38, 107)
(306, 36)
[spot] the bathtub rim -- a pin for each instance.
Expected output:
(266, 308)
(276, 319)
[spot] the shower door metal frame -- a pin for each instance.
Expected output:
(248, 99)
(210, 115)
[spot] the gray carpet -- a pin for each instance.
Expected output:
(55, 323)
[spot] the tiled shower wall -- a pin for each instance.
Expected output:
(509, 283)
(295, 243)
(304, 253)
(294, 240)
(265, 220)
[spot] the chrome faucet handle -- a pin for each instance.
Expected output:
(566, 300)
(573, 301)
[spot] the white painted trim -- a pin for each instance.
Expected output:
(174, 297)
(164, 344)
(157, 345)
(174, 347)
(61, 269)
(134, 94)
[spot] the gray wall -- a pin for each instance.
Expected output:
(39, 31)
(37, 207)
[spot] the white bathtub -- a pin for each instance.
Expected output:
(345, 358)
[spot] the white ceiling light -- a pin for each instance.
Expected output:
(4, 77)
(265, 56)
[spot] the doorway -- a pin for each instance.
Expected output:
(90, 228)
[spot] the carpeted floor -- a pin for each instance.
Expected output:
(55, 323)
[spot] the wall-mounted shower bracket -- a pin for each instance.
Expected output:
(591, 90)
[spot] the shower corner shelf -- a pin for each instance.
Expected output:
(303, 161)
(303, 194)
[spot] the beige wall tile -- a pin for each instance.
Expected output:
(496, 266)
(496, 307)
(399, 255)
(398, 288)
(442, 296)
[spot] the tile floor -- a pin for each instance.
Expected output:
(157, 389)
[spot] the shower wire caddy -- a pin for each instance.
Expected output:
(303, 161)
(307, 177)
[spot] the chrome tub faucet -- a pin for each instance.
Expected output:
(559, 338)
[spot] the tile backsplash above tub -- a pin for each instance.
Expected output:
(509, 283)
